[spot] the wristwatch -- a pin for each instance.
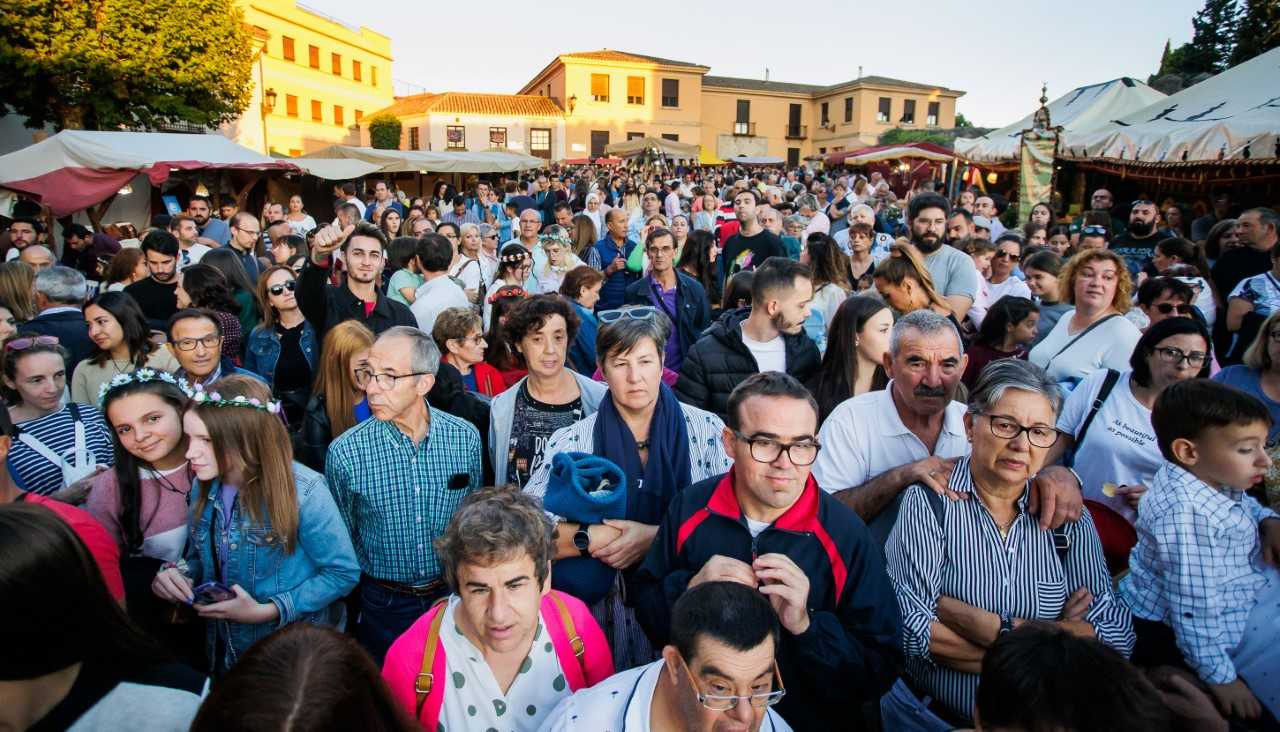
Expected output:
(582, 539)
(1006, 623)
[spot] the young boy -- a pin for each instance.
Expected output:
(1200, 568)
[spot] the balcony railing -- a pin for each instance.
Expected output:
(797, 132)
(744, 129)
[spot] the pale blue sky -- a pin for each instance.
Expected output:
(998, 51)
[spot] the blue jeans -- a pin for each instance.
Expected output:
(903, 711)
(386, 614)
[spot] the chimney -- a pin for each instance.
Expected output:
(859, 72)
(766, 73)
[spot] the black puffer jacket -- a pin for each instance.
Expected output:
(719, 361)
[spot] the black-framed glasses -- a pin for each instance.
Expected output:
(279, 289)
(385, 381)
(767, 450)
(1094, 231)
(643, 312)
(1165, 308)
(725, 702)
(210, 342)
(1176, 356)
(1007, 428)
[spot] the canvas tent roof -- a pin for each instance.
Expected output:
(408, 161)
(1081, 109)
(1232, 116)
(76, 169)
(670, 148)
(880, 153)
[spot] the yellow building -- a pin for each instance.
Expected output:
(315, 77)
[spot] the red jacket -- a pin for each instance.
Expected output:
(489, 380)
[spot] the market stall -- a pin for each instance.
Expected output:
(901, 165)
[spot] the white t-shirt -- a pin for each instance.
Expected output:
(1120, 446)
(770, 355)
(434, 297)
(756, 527)
(990, 292)
(188, 257)
(621, 703)
(1108, 346)
(865, 437)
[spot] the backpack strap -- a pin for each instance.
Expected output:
(935, 503)
(1061, 541)
(425, 681)
(1108, 383)
(575, 641)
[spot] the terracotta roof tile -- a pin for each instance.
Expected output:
(410, 105)
(500, 105)
(606, 54)
(732, 82)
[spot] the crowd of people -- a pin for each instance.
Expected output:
(599, 448)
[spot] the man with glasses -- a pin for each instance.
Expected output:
(680, 296)
(768, 525)
(195, 339)
(157, 293)
(364, 249)
(397, 479)
(1138, 244)
(723, 650)
(245, 235)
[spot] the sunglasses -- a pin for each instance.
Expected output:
(278, 290)
(22, 344)
(1167, 307)
(643, 312)
(1005, 255)
(1094, 231)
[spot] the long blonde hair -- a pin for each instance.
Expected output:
(254, 443)
(17, 289)
(333, 382)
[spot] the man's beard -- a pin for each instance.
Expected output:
(1141, 229)
(926, 247)
(200, 220)
(783, 325)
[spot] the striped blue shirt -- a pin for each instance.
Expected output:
(966, 558)
(33, 472)
(397, 497)
(1197, 567)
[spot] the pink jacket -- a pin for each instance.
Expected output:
(404, 659)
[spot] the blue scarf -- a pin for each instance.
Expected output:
(669, 470)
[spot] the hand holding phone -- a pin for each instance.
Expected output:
(211, 592)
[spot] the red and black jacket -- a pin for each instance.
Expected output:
(851, 651)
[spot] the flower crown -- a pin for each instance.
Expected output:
(214, 399)
(140, 376)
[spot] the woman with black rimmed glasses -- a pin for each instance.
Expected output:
(284, 349)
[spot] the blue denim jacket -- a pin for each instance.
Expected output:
(307, 585)
(264, 350)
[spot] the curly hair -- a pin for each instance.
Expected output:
(1124, 283)
(495, 525)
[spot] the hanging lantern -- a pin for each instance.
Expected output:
(991, 177)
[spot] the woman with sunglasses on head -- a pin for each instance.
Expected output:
(122, 344)
(284, 349)
(58, 447)
(267, 545)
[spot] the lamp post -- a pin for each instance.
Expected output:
(268, 105)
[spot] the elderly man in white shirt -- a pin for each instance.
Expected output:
(704, 675)
(877, 444)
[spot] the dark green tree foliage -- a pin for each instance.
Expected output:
(1259, 29)
(106, 64)
(1213, 39)
(384, 131)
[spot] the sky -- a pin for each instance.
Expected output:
(998, 52)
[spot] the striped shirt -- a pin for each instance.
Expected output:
(1197, 567)
(35, 473)
(966, 558)
(396, 498)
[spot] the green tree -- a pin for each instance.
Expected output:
(1258, 30)
(384, 131)
(105, 64)
(1213, 38)
(962, 123)
(899, 136)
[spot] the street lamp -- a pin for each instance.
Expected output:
(573, 102)
(269, 101)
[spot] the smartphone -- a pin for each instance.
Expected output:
(211, 592)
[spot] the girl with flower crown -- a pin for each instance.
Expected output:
(558, 247)
(261, 525)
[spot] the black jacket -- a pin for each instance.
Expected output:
(693, 310)
(312, 441)
(325, 306)
(70, 330)
(851, 652)
(449, 394)
(719, 361)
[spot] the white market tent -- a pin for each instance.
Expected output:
(1233, 116)
(1083, 108)
(670, 148)
(756, 160)
(333, 162)
(76, 169)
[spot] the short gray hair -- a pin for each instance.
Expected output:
(807, 200)
(424, 357)
(859, 207)
(926, 323)
(1000, 376)
(626, 333)
(62, 285)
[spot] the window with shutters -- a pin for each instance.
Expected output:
(413, 138)
(934, 111)
(291, 105)
(848, 109)
(671, 92)
(317, 114)
(336, 62)
(908, 112)
(355, 71)
(498, 138)
(337, 115)
(882, 113)
(313, 56)
(287, 52)
(826, 114)
(455, 137)
(373, 75)
(540, 142)
(359, 115)
(635, 90)
(600, 87)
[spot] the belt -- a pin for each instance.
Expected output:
(428, 590)
(940, 710)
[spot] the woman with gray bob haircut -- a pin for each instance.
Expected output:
(662, 446)
(968, 571)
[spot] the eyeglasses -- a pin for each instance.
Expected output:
(1094, 231)
(22, 344)
(643, 312)
(279, 289)
(1167, 307)
(1176, 356)
(766, 450)
(189, 344)
(386, 382)
(1005, 255)
(253, 232)
(1007, 429)
(721, 703)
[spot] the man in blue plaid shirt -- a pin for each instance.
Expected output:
(397, 480)
(1203, 584)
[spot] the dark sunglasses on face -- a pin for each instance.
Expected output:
(1094, 231)
(1167, 307)
(279, 289)
(1005, 255)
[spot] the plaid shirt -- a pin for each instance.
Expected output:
(1197, 567)
(397, 497)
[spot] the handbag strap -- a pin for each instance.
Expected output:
(575, 641)
(1082, 334)
(1108, 383)
(423, 684)
(44, 451)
